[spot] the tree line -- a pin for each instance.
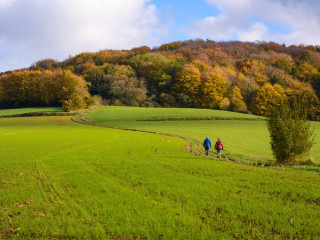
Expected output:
(235, 76)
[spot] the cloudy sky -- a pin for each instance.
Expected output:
(31, 30)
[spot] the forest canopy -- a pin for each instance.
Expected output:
(236, 76)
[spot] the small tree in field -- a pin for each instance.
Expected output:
(290, 132)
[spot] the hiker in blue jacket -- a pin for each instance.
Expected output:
(207, 145)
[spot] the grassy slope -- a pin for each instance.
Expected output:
(118, 114)
(65, 180)
(29, 110)
(244, 139)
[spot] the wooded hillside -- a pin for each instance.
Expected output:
(235, 76)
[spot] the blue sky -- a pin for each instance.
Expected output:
(178, 14)
(31, 30)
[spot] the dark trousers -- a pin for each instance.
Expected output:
(207, 150)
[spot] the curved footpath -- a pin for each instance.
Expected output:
(82, 119)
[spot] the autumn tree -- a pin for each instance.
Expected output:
(139, 50)
(158, 71)
(46, 64)
(272, 46)
(213, 89)
(124, 87)
(186, 53)
(284, 64)
(248, 87)
(310, 57)
(187, 85)
(305, 72)
(316, 84)
(99, 82)
(267, 96)
(236, 101)
(102, 57)
(253, 68)
(74, 93)
(170, 46)
(44, 88)
(80, 59)
(201, 65)
(307, 95)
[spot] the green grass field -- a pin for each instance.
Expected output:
(119, 114)
(246, 140)
(30, 110)
(64, 180)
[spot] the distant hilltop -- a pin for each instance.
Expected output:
(235, 76)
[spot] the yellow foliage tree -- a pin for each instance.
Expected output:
(266, 97)
(306, 94)
(188, 82)
(213, 89)
(305, 72)
(43, 88)
(201, 65)
(236, 93)
(236, 100)
(260, 78)
(170, 46)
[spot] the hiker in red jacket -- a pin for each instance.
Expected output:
(218, 147)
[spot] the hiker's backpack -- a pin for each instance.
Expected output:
(219, 145)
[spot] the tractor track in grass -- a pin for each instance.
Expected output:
(53, 196)
(57, 197)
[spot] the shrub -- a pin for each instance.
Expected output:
(290, 132)
(98, 100)
(66, 106)
(237, 105)
(89, 101)
(75, 102)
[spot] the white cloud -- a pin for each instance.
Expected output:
(289, 21)
(4, 3)
(256, 31)
(37, 29)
